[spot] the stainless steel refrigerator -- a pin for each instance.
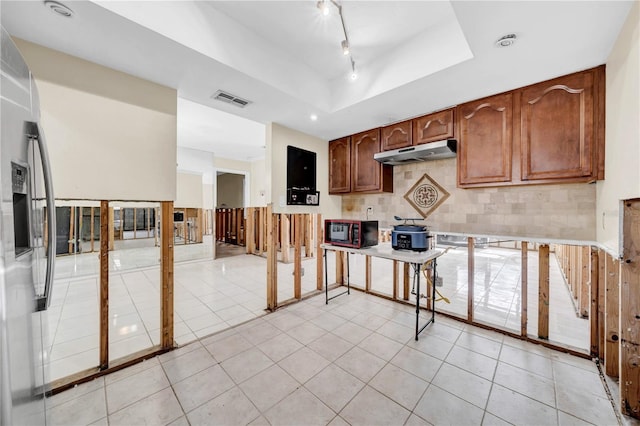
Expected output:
(27, 248)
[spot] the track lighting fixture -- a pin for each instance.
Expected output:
(323, 5)
(345, 47)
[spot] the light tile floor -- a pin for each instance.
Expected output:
(353, 361)
(214, 295)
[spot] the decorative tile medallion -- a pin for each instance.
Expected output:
(426, 195)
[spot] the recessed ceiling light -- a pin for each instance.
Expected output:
(313, 117)
(59, 8)
(506, 41)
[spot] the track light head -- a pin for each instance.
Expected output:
(323, 6)
(345, 47)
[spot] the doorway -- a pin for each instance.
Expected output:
(230, 203)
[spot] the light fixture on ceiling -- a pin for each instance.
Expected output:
(313, 117)
(354, 73)
(506, 40)
(323, 5)
(345, 47)
(59, 8)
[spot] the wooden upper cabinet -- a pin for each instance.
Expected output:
(485, 140)
(557, 128)
(368, 175)
(340, 166)
(396, 136)
(433, 127)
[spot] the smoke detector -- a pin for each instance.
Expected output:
(506, 41)
(59, 8)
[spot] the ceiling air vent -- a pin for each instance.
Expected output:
(230, 99)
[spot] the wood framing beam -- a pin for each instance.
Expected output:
(285, 227)
(70, 241)
(104, 285)
(611, 317)
(297, 256)
(543, 291)
(272, 259)
(630, 310)
(79, 236)
(524, 265)
(405, 281)
(593, 289)
(396, 282)
(602, 286)
(250, 231)
(339, 267)
(111, 222)
(166, 274)
(91, 229)
(585, 271)
(367, 274)
(319, 253)
(470, 277)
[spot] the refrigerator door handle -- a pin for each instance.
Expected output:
(45, 299)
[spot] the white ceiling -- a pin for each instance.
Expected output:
(413, 57)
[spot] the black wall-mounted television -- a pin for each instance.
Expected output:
(301, 169)
(301, 177)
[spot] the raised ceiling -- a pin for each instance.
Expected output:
(413, 57)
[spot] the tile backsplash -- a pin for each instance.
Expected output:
(558, 211)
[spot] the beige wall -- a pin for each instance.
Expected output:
(230, 190)
(189, 190)
(622, 157)
(564, 211)
(278, 137)
(259, 184)
(207, 196)
(111, 136)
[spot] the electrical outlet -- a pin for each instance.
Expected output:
(370, 210)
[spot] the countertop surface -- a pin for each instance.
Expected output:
(384, 250)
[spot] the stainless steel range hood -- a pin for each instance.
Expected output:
(425, 152)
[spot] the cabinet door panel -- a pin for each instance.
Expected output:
(396, 136)
(433, 127)
(340, 166)
(557, 128)
(485, 140)
(366, 172)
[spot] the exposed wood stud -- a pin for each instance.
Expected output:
(405, 281)
(285, 226)
(91, 229)
(543, 291)
(319, 253)
(630, 310)
(111, 224)
(593, 318)
(470, 277)
(523, 287)
(104, 284)
(396, 283)
(585, 271)
(339, 267)
(297, 267)
(367, 274)
(611, 317)
(70, 241)
(166, 268)
(602, 285)
(272, 259)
